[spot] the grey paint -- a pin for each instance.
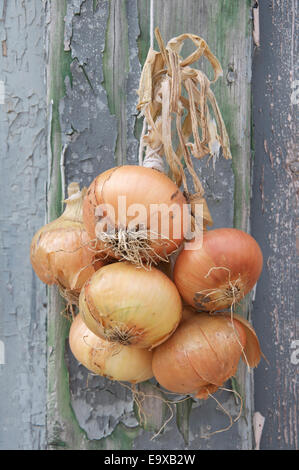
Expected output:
(89, 130)
(275, 220)
(90, 134)
(23, 201)
(99, 404)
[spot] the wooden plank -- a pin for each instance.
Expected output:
(226, 26)
(23, 173)
(91, 137)
(275, 221)
(64, 429)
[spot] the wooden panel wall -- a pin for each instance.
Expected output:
(275, 220)
(97, 49)
(69, 70)
(23, 176)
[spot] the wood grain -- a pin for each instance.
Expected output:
(23, 175)
(82, 120)
(97, 116)
(275, 220)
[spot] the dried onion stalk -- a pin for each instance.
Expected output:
(165, 78)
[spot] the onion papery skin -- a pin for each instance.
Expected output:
(60, 251)
(116, 362)
(252, 351)
(130, 305)
(58, 255)
(200, 356)
(139, 185)
(220, 272)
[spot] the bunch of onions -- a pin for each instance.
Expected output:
(60, 251)
(131, 306)
(220, 271)
(116, 362)
(204, 352)
(122, 212)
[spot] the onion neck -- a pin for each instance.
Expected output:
(153, 160)
(74, 203)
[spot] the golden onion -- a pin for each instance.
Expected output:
(60, 251)
(130, 305)
(116, 362)
(124, 194)
(219, 272)
(203, 353)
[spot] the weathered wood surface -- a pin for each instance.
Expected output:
(93, 51)
(23, 175)
(275, 220)
(106, 43)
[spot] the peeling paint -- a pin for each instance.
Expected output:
(274, 222)
(98, 417)
(83, 104)
(91, 135)
(23, 174)
(122, 70)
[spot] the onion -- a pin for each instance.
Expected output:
(117, 362)
(219, 273)
(60, 252)
(121, 211)
(129, 305)
(203, 353)
(187, 313)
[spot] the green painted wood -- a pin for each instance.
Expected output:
(227, 28)
(58, 409)
(63, 429)
(183, 410)
(115, 70)
(96, 49)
